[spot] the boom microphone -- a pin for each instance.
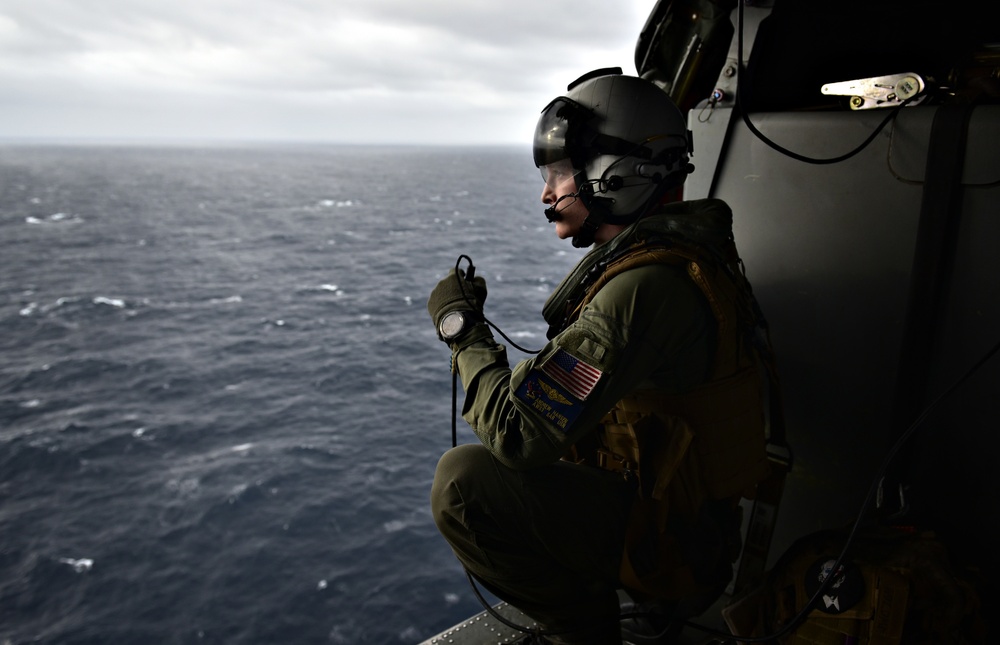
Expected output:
(554, 215)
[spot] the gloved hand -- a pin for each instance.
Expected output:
(449, 295)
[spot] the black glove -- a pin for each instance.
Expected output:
(455, 293)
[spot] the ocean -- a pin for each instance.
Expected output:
(221, 396)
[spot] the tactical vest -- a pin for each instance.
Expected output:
(693, 454)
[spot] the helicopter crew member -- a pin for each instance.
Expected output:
(616, 456)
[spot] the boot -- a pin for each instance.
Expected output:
(651, 624)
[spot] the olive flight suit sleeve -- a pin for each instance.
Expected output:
(647, 326)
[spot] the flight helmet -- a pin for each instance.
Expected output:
(626, 140)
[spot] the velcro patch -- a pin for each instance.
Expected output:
(577, 376)
(551, 400)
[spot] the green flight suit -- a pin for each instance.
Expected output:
(547, 535)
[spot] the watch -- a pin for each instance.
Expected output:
(454, 324)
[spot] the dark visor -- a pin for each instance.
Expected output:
(556, 126)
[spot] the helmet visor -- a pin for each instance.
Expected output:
(556, 128)
(558, 172)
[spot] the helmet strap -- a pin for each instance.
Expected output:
(599, 211)
(588, 230)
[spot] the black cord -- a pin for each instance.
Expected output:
(454, 403)
(794, 155)
(463, 279)
(466, 278)
(534, 631)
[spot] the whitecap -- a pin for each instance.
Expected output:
(113, 302)
(185, 487)
(321, 585)
(55, 218)
(408, 300)
(81, 565)
(451, 598)
(328, 287)
(243, 447)
(234, 494)
(230, 299)
(31, 403)
(394, 525)
(30, 309)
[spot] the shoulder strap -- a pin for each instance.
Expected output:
(725, 295)
(637, 256)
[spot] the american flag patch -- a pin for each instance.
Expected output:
(573, 374)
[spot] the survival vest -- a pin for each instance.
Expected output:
(692, 455)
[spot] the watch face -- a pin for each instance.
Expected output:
(452, 324)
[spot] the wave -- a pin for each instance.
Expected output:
(238, 395)
(27, 456)
(55, 218)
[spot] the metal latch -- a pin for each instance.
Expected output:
(878, 91)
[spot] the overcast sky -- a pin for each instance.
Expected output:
(356, 71)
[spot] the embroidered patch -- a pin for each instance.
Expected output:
(549, 400)
(575, 375)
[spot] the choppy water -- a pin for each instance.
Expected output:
(221, 398)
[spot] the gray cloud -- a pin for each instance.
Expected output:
(338, 70)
